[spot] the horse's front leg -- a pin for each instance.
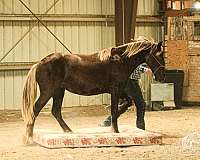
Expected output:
(114, 109)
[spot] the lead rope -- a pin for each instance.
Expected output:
(160, 65)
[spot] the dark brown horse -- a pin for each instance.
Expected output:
(101, 72)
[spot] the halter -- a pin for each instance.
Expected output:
(160, 65)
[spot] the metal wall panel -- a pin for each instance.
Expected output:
(147, 7)
(2, 89)
(11, 86)
(149, 29)
(62, 6)
(79, 36)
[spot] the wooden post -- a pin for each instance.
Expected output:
(125, 20)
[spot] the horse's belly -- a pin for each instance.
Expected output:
(85, 89)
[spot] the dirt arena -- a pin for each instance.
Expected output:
(173, 125)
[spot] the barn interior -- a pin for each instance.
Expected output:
(32, 29)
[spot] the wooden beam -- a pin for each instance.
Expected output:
(134, 18)
(72, 18)
(61, 17)
(175, 13)
(149, 19)
(6, 66)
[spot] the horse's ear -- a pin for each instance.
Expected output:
(114, 56)
(159, 47)
(160, 44)
(113, 51)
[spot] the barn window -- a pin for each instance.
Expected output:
(197, 28)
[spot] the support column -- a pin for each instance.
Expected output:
(125, 20)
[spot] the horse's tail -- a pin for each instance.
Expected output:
(29, 96)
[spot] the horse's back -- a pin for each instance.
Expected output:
(51, 68)
(51, 57)
(81, 59)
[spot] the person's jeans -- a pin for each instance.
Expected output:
(132, 91)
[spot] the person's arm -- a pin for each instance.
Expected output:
(144, 69)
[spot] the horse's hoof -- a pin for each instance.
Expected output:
(27, 140)
(68, 131)
(114, 130)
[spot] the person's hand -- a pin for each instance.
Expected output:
(148, 71)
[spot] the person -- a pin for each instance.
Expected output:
(132, 91)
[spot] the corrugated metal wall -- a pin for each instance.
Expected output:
(79, 34)
(83, 25)
(149, 29)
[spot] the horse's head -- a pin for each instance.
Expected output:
(140, 51)
(155, 60)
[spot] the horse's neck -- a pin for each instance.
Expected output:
(136, 60)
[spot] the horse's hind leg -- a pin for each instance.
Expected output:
(56, 109)
(40, 103)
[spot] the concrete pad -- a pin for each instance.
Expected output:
(96, 137)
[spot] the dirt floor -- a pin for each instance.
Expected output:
(173, 125)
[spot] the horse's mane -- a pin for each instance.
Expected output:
(104, 54)
(134, 47)
(138, 46)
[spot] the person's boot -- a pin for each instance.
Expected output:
(106, 122)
